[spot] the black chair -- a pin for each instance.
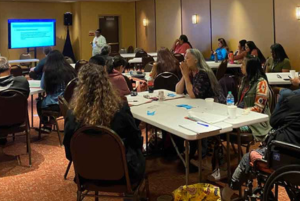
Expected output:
(222, 69)
(148, 67)
(281, 167)
(69, 90)
(16, 70)
(179, 57)
(14, 116)
(101, 166)
(128, 82)
(145, 60)
(166, 81)
(141, 53)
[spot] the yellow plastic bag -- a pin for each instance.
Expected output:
(197, 192)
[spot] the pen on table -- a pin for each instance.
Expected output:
(279, 76)
(290, 77)
(202, 124)
(133, 101)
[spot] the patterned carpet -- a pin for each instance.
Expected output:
(44, 180)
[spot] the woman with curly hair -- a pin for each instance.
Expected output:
(95, 102)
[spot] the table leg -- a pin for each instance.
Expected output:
(228, 158)
(187, 162)
(31, 111)
(200, 160)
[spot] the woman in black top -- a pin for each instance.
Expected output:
(95, 102)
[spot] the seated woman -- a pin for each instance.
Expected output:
(115, 69)
(241, 53)
(254, 51)
(98, 60)
(199, 81)
(286, 118)
(279, 62)
(221, 51)
(254, 95)
(181, 45)
(96, 103)
(105, 52)
(57, 74)
(166, 62)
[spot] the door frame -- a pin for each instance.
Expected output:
(119, 23)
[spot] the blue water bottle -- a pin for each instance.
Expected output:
(230, 99)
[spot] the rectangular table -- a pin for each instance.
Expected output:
(22, 61)
(138, 60)
(132, 55)
(168, 117)
(214, 65)
(278, 78)
(34, 86)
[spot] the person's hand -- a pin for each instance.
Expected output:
(176, 41)
(91, 43)
(32, 69)
(185, 71)
(295, 81)
(96, 42)
(212, 52)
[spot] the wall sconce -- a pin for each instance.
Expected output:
(298, 13)
(145, 22)
(195, 19)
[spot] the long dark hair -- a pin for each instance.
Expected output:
(252, 47)
(185, 39)
(279, 52)
(116, 62)
(58, 72)
(243, 44)
(166, 62)
(223, 42)
(254, 69)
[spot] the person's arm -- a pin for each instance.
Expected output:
(240, 56)
(189, 87)
(180, 86)
(286, 66)
(43, 81)
(212, 56)
(174, 45)
(261, 98)
(186, 79)
(40, 67)
(102, 41)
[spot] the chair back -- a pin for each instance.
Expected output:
(222, 69)
(228, 83)
(63, 106)
(128, 82)
(179, 57)
(147, 59)
(16, 70)
(166, 80)
(271, 99)
(69, 90)
(130, 49)
(281, 153)
(98, 153)
(25, 56)
(79, 64)
(141, 53)
(13, 107)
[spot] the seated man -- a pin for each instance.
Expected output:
(7, 81)
(286, 122)
(37, 72)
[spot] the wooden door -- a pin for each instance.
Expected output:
(109, 26)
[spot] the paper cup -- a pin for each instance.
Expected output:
(292, 73)
(209, 103)
(232, 111)
(161, 96)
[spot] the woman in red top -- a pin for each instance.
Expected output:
(181, 45)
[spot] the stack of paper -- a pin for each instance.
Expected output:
(206, 117)
(200, 127)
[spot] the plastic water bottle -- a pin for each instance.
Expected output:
(230, 99)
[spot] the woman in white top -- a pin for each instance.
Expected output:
(98, 43)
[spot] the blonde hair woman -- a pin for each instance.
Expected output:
(95, 102)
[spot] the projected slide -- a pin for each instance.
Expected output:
(31, 33)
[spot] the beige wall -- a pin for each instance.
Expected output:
(76, 33)
(198, 34)
(288, 29)
(168, 22)
(22, 10)
(251, 20)
(146, 35)
(90, 12)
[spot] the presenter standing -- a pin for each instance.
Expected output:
(98, 42)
